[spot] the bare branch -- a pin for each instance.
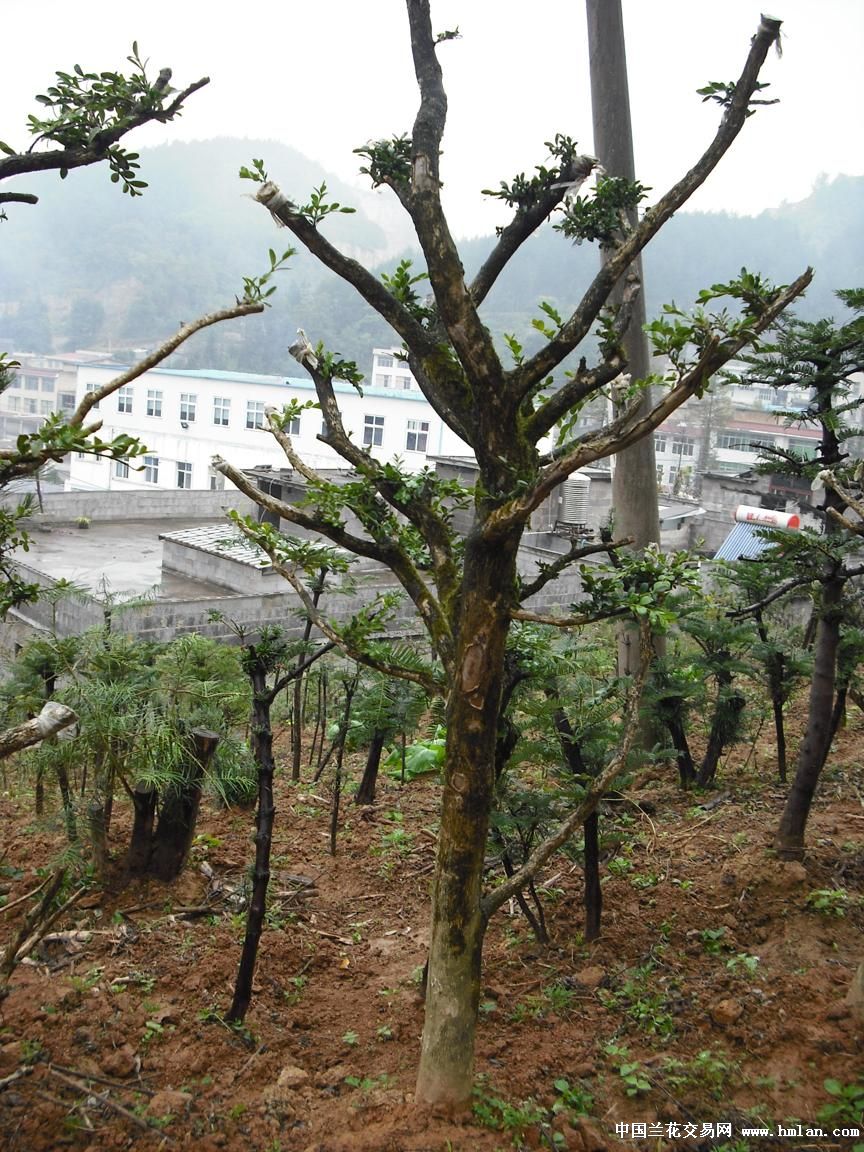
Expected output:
(338, 534)
(159, 354)
(456, 307)
(97, 150)
(790, 585)
(525, 222)
(630, 427)
(52, 719)
(388, 553)
(552, 571)
(428, 683)
(284, 211)
(18, 198)
(579, 324)
(566, 621)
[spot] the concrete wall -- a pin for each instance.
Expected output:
(162, 620)
(156, 504)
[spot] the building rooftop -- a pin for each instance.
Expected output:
(117, 558)
(220, 540)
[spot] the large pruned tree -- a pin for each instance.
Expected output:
(467, 591)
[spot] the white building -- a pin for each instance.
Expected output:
(187, 417)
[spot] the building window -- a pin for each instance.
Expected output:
(121, 469)
(47, 384)
(31, 405)
(92, 392)
(184, 474)
(221, 410)
(46, 407)
(31, 383)
(217, 481)
(682, 446)
(741, 442)
(124, 399)
(804, 448)
(13, 403)
(418, 436)
(384, 361)
(659, 443)
(382, 380)
(294, 426)
(254, 413)
(151, 469)
(188, 404)
(154, 402)
(373, 431)
(67, 401)
(404, 382)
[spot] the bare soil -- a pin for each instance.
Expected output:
(716, 985)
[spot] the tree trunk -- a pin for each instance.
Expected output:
(446, 1073)
(98, 837)
(590, 828)
(670, 708)
(789, 841)
(724, 726)
(141, 842)
(176, 826)
(593, 891)
(262, 743)
(365, 794)
(775, 663)
(634, 479)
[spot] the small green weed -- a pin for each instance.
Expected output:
(502, 1116)
(744, 963)
(351, 1039)
(634, 1078)
(828, 902)
(846, 1104)
(713, 940)
(708, 1072)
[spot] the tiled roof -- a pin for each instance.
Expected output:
(221, 540)
(744, 541)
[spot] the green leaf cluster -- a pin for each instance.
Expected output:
(601, 216)
(524, 191)
(85, 105)
(389, 160)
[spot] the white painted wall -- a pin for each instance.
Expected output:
(404, 421)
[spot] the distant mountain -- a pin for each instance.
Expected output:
(87, 267)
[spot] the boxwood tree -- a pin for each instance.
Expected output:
(467, 591)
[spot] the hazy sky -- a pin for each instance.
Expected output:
(325, 77)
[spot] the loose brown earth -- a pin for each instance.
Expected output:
(708, 946)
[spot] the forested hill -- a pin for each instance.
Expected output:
(88, 267)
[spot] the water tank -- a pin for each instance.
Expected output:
(573, 507)
(745, 514)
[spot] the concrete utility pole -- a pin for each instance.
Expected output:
(634, 483)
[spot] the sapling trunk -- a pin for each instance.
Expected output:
(814, 749)
(176, 827)
(724, 728)
(350, 689)
(775, 666)
(572, 753)
(263, 751)
(365, 794)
